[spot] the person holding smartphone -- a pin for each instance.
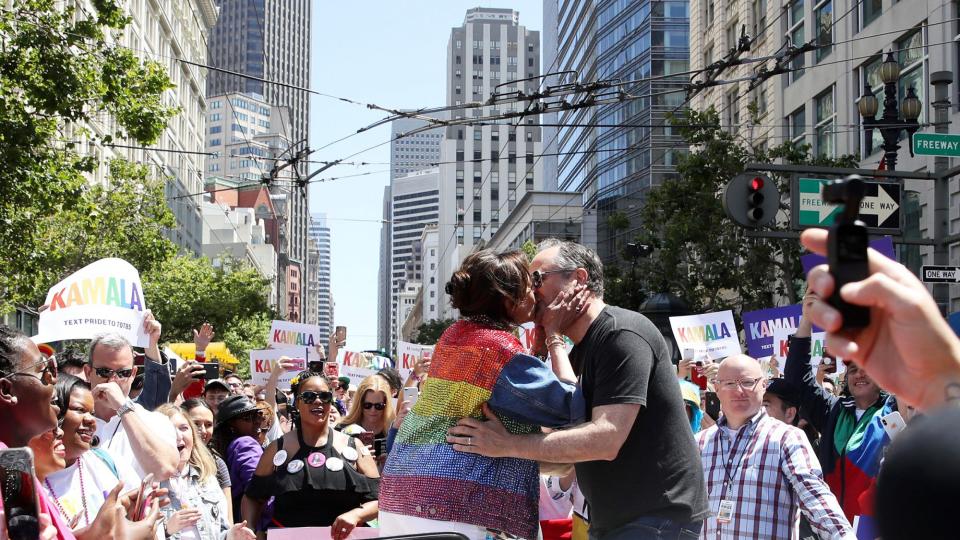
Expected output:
(372, 410)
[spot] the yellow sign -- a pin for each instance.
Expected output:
(216, 352)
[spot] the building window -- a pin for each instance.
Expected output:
(797, 37)
(912, 56)
(823, 16)
(708, 55)
(826, 124)
(477, 134)
(459, 44)
(731, 106)
(732, 33)
(759, 17)
(476, 233)
(869, 11)
(796, 121)
(709, 11)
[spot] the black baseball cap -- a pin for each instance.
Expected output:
(784, 390)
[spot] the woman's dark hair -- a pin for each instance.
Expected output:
(193, 403)
(12, 344)
(66, 384)
(485, 280)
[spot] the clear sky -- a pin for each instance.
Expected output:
(391, 54)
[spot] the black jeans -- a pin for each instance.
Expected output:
(652, 528)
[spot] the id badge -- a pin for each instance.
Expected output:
(725, 513)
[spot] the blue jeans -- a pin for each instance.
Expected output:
(651, 528)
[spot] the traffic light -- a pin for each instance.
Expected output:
(751, 200)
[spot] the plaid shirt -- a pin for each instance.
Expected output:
(773, 474)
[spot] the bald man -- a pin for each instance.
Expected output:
(760, 472)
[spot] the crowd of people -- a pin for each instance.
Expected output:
(606, 440)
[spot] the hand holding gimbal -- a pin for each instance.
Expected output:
(847, 247)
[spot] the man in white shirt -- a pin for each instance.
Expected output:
(129, 431)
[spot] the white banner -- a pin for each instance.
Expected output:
(104, 296)
(285, 334)
(358, 374)
(710, 334)
(262, 362)
(781, 346)
(409, 353)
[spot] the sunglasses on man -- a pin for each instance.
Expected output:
(536, 277)
(309, 397)
(107, 373)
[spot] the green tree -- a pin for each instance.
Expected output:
(61, 72)
(429, 332)
(700, 255)
(184, 292)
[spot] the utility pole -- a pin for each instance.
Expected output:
(941, 213)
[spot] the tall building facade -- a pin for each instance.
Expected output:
(613, 154)
(407, 155)
(269, 39)
(414, 204)
(320, 275)
(486, 169)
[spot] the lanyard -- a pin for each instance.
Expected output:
(732, 455)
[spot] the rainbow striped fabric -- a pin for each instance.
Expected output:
(425, 477)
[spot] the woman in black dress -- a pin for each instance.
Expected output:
(318, 477)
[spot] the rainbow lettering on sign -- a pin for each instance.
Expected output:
(104, 291)
(293, 338)
(702, 334)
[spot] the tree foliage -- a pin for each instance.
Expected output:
(61, 73)
(429, 332)
(700, 255)
(184, 292)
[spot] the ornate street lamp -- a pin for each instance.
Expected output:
(891, 123)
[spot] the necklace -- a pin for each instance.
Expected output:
(83, 496)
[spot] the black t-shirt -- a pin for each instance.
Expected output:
(623, 359)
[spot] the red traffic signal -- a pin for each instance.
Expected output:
(751, 200)
(756, 184)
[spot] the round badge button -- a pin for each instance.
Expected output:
(350, 454)
(335, 464)
(316, 459)
(279, 458)
(294, 466)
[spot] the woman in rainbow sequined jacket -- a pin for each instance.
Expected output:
(427, 486)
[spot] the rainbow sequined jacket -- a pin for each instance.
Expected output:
(425, 477)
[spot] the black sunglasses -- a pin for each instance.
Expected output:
(47, 375)
(377, 406)
(537, 276)
(309, 396)
(107, 373)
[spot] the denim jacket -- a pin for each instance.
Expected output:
(156, 383)
(189, 492)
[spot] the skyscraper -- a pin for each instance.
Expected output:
(407, 155)
(269, 39)
(320, 232)
(494, 164)
(615, 166)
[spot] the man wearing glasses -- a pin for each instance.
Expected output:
(127, 429)
(761, 473)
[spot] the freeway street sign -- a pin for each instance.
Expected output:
(940, 274)
(879, 209)
(936, 144)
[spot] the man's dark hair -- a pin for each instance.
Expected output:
(137, 383)
(70, 358)
(572, 256)
(13, 343)
(393, 378)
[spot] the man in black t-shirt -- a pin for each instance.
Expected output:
(636, 460)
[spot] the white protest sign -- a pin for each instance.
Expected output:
(262, 362)
(358, 374)
(104, 296)
(781, 347)
(409, 353)
(712, 334)
(285, 334)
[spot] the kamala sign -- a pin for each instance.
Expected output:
(104, 296)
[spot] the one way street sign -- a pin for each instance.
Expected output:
(879, 210)
(941, 274)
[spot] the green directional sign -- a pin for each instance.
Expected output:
(936, 144)
(879, 209)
